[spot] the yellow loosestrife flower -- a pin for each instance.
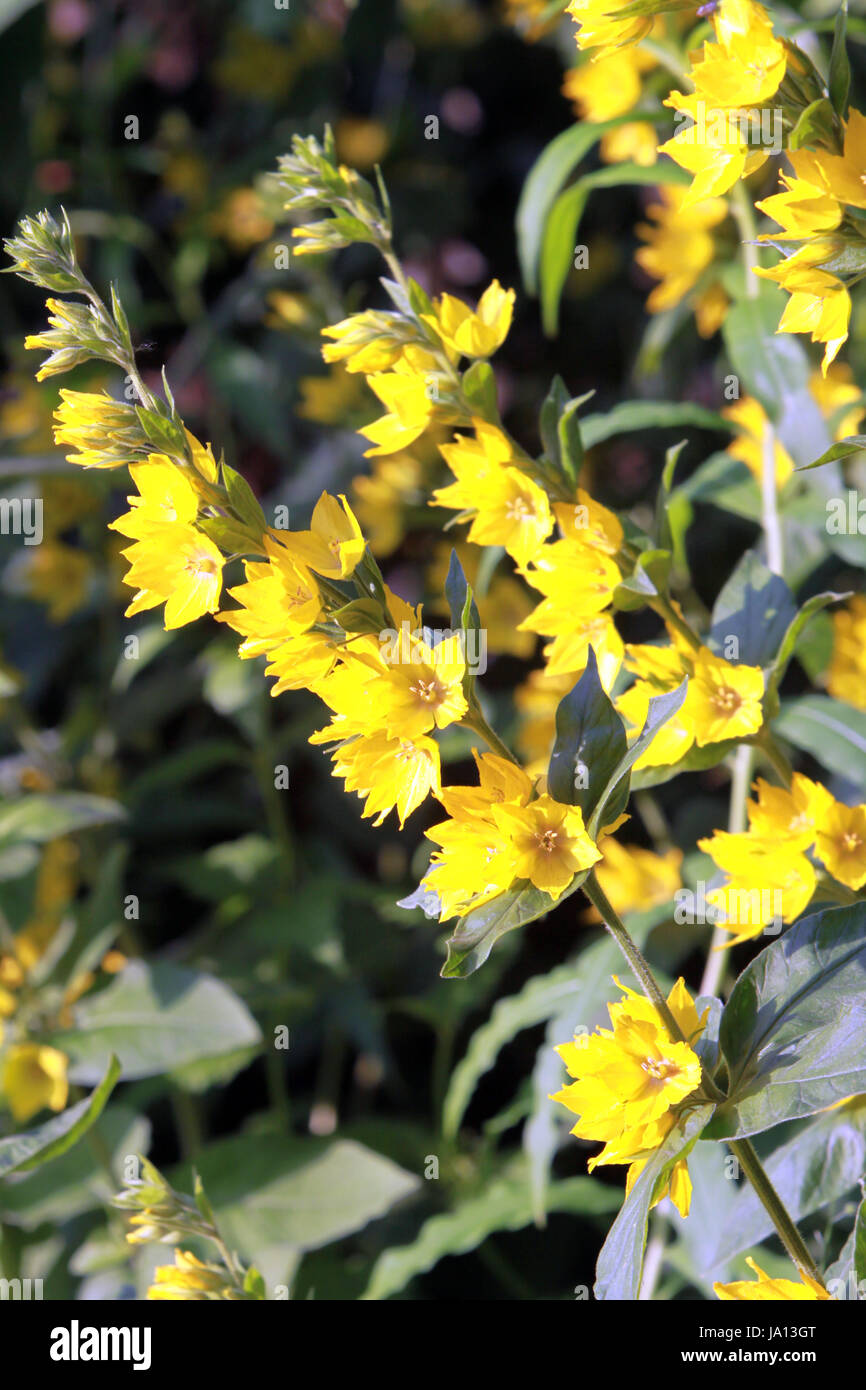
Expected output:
(629, 1079)
(841, 842)
(723, 700)
(598, 29)
(767, 881)
(846, 675)
(333, 545)
(764, 1289)
(190, 1280)
(548, 841)
(748, 446)
(33, 1078)
(473, 334)
(679, 244)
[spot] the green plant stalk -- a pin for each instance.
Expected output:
(717, 959)
(790, 1237)
(594, 891)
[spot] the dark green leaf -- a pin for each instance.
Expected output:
(621, 1260)
(792, 1030)
(839, 81)
(21, 1152)
(590, 743)
(757, 608)
(828, 729)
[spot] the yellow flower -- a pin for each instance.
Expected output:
(426, 689)
(832, 392)
(476, 860)
(242, 219)
(279, 600)
(723, 700)
(844, 173)
(474, 463)
(767, 881)
(635, 142)
(176, 565)
(806, 207)
(819, 304)
(748, 446)
(790, 815)
(629, 1079)
(190, 1280)
(846, 676)
(841, 842)
(514, 512)
(679, 244)
(390, 772)
(549, 842)
(473, 334)
(765, 1289)
(334, 544)
(368, 342)
(409, 403)
(608, 86)
(33, 1077)
(165, 493)
(102, 431)
(717, 158)
(633, 879)
(598, 29)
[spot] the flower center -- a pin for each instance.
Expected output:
(547, 840)
(661, 1069)
(726, 700)
(518, 509)
(851, 841)
(428, 692)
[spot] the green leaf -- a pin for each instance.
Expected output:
(504, 1205)
(648, 578)
(842, 449)
(229, 535)
(561, 432)
(40, 817)
(479, 387)
(156, 1018)
(775, 368)
(757, 608)
(590, 743)
(477, 933)
(74, 1183)
(661, 708)
(621, 1260)
(839, 81)
(794, 631)
(632, 417)
(792, 1030)
(361, 615)
(558, 240)
(696, 760)
(815, 125)
(303, 1192)
(828, 729)
(820, 1165)
(546, 177)
(21, 1152)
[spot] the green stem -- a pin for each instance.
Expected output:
(744, 217)
(775, 1208)
(475, 721)
(593, 890)
(766, 744)
(665, 610)
(742, 774)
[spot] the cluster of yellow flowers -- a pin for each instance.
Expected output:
(314, 602)
(751, 95)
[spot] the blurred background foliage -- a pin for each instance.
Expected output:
(155, 828)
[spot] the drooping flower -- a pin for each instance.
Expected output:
(766, 1289)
